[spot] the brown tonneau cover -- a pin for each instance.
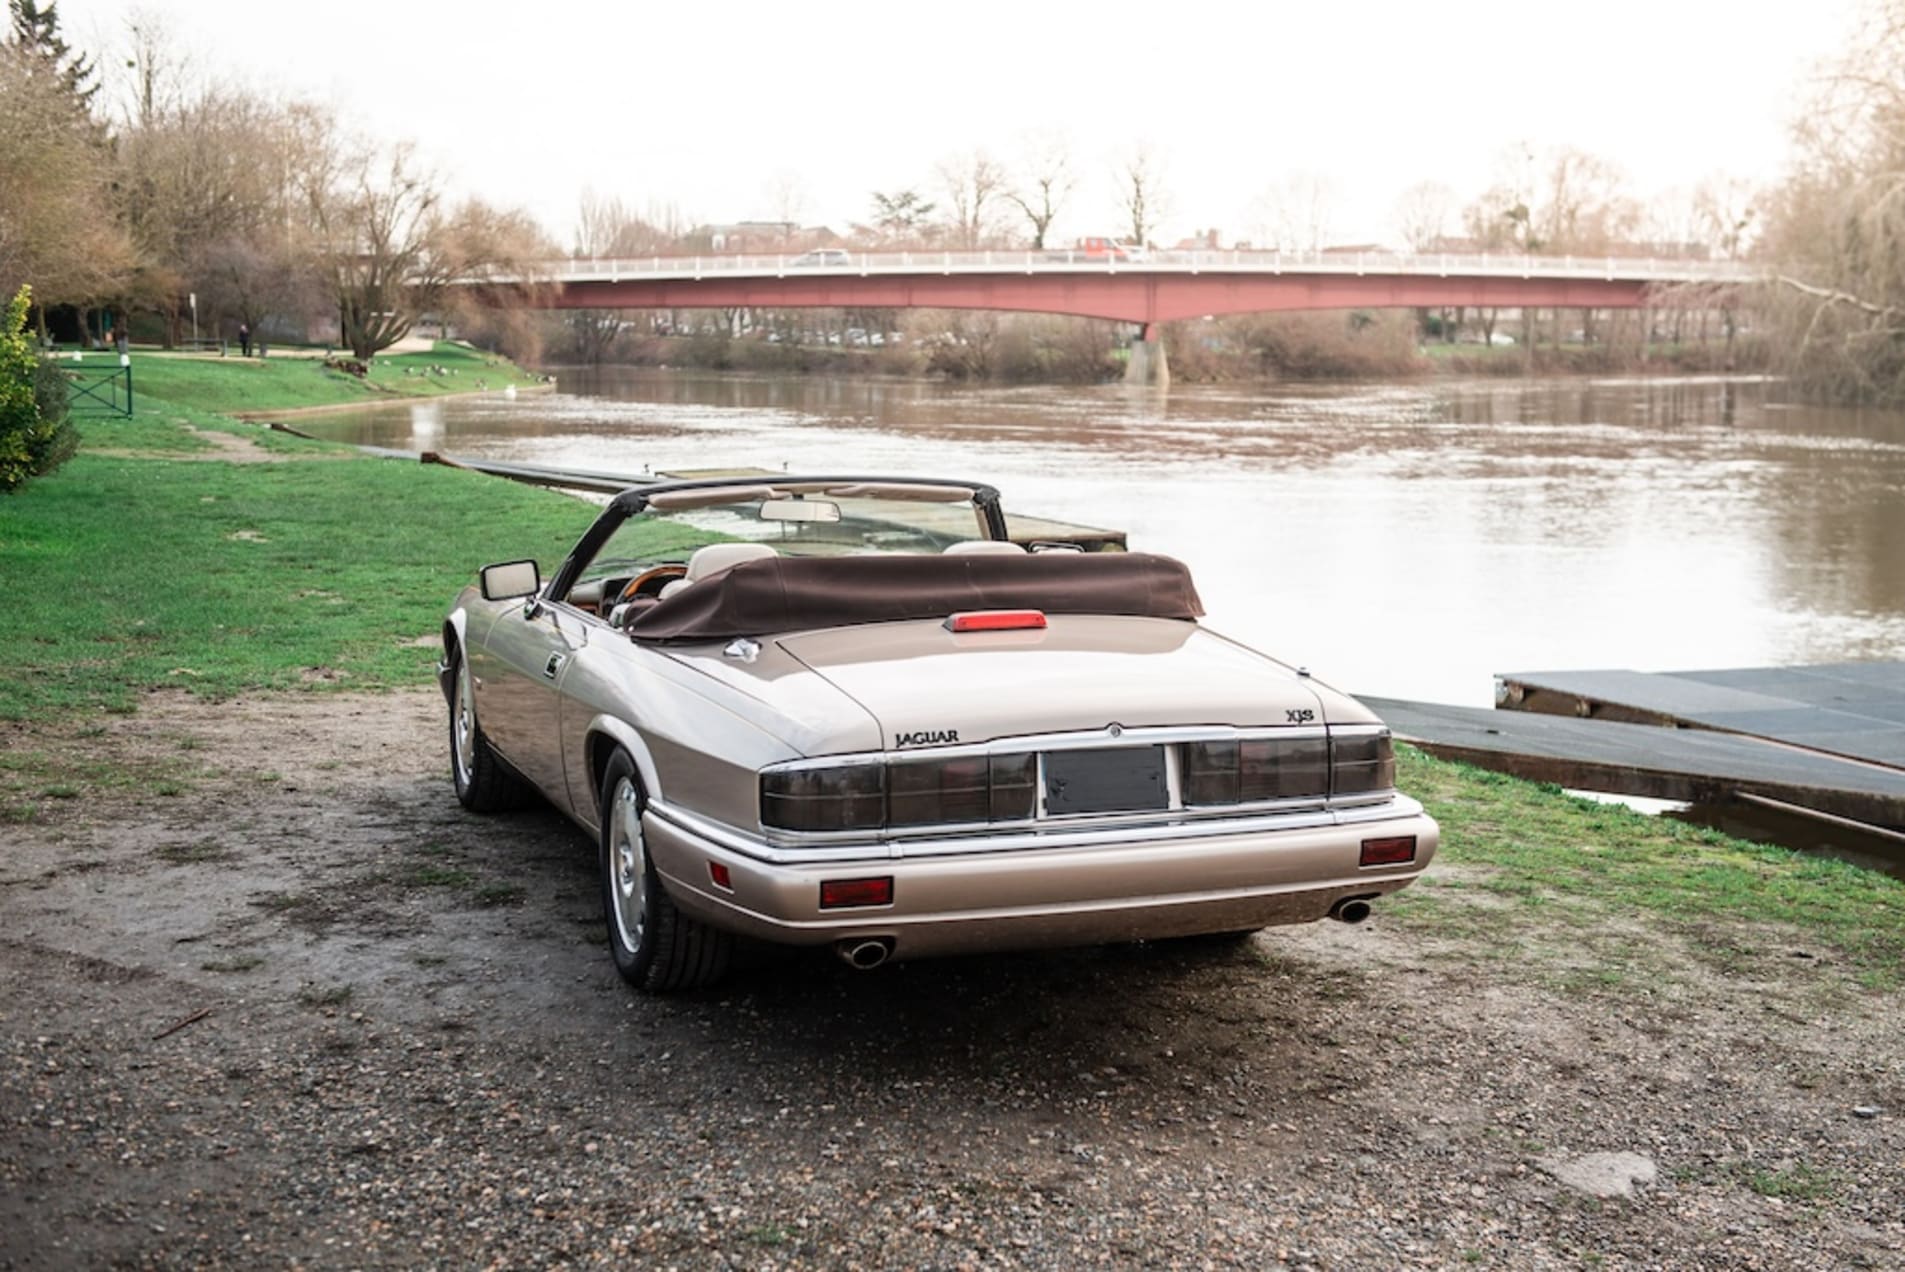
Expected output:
(791, 594)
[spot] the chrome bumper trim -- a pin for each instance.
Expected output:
(982, 840)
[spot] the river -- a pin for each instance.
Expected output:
(1406, 540)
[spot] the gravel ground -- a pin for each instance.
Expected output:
(306, 1011)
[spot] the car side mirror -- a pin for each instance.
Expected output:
(510, 579)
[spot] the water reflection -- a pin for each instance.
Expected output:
(1405, 540)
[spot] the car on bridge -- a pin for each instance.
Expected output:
(855, 712)
(822, 256)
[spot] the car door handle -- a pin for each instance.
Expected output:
(553, 666)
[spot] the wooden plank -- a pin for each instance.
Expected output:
(1855, 710)
(1690, 765)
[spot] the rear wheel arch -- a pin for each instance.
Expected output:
(608, 735)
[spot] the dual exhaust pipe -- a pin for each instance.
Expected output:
(863, 954)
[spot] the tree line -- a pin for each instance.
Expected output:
(249, 206)
(257, 207)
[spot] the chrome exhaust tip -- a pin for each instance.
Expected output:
(864, 955)
(1350, 910)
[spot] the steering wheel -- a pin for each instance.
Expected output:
(656, 574)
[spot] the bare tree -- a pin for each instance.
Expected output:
(1045, 183)
(207, 196)
(1581, 204)
(973, 184)
(1501, 218)
(1423, 214)
(606, 229)
(1725, 210)
(1836, 228)
(1297, 213)
(158, 73)
(390, 250)
(787, 197)
(1557, 201)
(1142, 198)
(375, 226)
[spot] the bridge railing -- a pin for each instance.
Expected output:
(852, 263)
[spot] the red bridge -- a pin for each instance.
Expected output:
(1141, 287)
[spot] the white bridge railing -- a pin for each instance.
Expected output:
(857, 264)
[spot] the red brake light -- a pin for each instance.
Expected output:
(837, 894)
(1395, 851)
(995, 620)
(719, 873)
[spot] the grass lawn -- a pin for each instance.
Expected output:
(210, 383)
(1526, 850)
(225, 577)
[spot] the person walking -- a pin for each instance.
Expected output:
(244, 339)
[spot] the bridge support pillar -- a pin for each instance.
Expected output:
(1147, 364)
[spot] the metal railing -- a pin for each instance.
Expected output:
(835, 263)
(100, 390)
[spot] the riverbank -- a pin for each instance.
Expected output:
(296, 381)
(263, 965)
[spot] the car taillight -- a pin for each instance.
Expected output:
(1361, 763)
(1254, 769)
(827, 797)
(923, 792)
(971, 788)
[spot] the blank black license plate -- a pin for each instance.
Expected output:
(1124, 779)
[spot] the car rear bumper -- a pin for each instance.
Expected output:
(1075, 895)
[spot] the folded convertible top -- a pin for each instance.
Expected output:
(790, 594)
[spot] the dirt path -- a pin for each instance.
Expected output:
(306, 1010)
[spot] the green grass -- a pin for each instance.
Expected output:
(1553, 868)
(236, 384)
(134, 574)
(1796, 1182)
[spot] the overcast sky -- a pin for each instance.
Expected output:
(714, 107)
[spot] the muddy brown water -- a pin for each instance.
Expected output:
(1405, 540)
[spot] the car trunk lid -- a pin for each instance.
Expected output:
(930, 686)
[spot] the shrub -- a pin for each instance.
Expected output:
(35, 434)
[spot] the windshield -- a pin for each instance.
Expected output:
(795, 520)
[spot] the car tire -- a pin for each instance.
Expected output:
(656, 947)
(484, 784)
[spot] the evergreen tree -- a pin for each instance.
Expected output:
(36, 31)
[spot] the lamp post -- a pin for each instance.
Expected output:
(193, 298)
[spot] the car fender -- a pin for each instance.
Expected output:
(625, 736)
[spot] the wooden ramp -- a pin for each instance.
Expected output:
(1691, 766)
(1855, 710)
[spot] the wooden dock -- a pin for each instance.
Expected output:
(1826, 743)
(1855, 710)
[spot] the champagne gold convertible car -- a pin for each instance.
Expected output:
(854, 712)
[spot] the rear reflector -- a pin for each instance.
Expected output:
(995, 620)
(1389, 852)
(837, 894)
(719, 873)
